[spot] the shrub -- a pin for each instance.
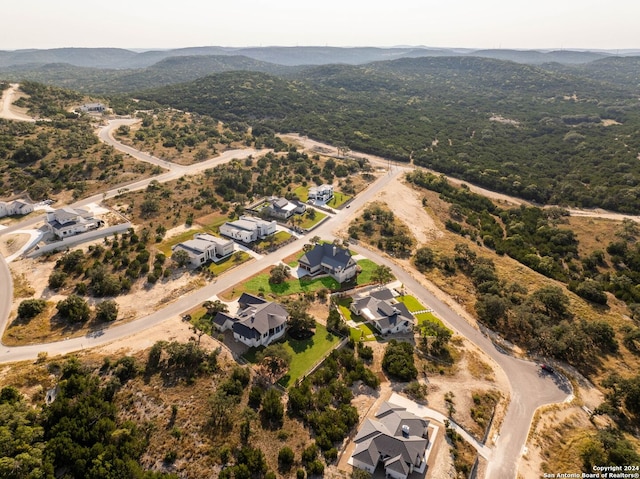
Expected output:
(286, 457)
(398, 361)
(74, 308)
(30, 308)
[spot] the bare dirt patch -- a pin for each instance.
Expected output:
(141, 301)
(9, 244)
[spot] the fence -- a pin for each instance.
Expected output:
(318, 363)
(77, 239)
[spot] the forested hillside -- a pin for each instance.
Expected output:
(545, 136)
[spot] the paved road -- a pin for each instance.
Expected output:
(529, 388)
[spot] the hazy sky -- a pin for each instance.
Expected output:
(611, 24)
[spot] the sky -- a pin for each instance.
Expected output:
(159, 24)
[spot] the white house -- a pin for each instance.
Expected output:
(258, 322)
(321, 194)
(396, 439)
(327, 258)
(205, 247)
(383, 312)
(67, 222)
(17, 207)
(248, 229)
(92, 108)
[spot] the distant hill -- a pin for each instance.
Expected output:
(546, 136)
(165, 72)
(534, 57)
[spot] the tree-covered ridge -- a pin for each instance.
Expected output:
(544, 136)
(47, 158)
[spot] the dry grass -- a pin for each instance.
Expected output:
(21, 286)
(478, 368)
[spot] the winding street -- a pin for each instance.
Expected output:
(529, 389)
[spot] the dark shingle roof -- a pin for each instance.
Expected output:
(327, 253)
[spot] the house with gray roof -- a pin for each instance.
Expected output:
(396, 440)
(16, 207)
(382, 311)
(65, 222)
(258, 322)
(327, 258)
(284, 209)
(205, 247)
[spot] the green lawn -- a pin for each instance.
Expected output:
(304, 353)
(338, 199)
(235, 259)
(367, 333)
(368, 267)
(355, 334)
(260, 283)
(276, 239)
(428, 317)
(308, 223)
(302, 192)
(166, 245)
(411, 303)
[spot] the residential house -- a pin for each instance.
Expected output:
(321, 194)
(381, 310)
(92, 108)
(327, 258)
(258, 322)
(396, 439)
(67, 222)
(248, 229)
(16, 207)
(284, 209)
(205, 247)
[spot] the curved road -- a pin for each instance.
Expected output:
(529, 388)
(6, 111)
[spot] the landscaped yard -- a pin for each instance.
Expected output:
(302, 192)
(413, 304)
(310, 220)
(166, 245)
(304, 353)
(260, 283)
(367, 332)
(338, 199)
(235, 259)
(273, 240)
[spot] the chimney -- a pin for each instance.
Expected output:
(405, 430)
(335, 250)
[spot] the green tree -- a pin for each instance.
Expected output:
(181, 258)
(107, 310)
(300, 323)
(30, 308)
(279, 274)
(382, 274)
(272, 409)
(74, 308)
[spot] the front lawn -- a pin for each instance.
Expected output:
(166, 245)
(302, 192)
(305, 353)
(411, 303)
(338, 199)
(229, 262)
(310, 220)
(275, 239)
(368, 334)
(367, 268)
